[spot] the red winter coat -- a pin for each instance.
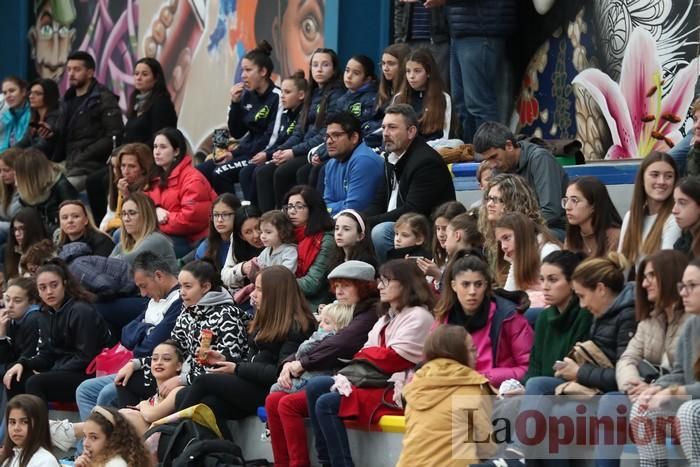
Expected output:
(188, 198)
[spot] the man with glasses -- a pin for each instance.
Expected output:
(416, 178)
(497, 146)
(354, 170)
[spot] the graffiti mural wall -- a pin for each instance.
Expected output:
(198, 42)
(630, 42)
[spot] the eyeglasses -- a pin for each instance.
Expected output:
(383, 282)
(494, 199)
(294, 207)
(129, 214)
(334, 136)
(574, 201)
(222, 215)
(36, 93)
(689, 286)
(649, 276)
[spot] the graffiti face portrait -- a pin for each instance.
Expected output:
(51, 37)
(297, 32)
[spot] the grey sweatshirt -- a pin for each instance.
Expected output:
(687, 354)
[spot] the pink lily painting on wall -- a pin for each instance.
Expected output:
(642, 114)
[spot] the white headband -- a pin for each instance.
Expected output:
(356, 215)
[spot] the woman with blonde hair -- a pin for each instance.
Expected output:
(139, 231)
(505, 193)
(41, 184)
(9, 197)
(77, 225)
(131, 171)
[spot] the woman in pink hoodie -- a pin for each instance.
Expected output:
(501, 334)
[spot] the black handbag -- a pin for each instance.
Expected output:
(649, 372)
(364, 374)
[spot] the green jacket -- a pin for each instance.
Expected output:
(555, 334)
(314, 284)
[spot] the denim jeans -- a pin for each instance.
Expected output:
(679, 152)
(608, 406)
(331, 439)
(383, 239)
(476, 73)
(96, 391)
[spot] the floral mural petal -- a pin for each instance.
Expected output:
(640, 77)
(676, 103)
(617, 152)
(607, 94)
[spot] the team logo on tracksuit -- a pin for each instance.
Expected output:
(262, 113)
(356, 109)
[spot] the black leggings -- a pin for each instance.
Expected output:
(56, 386)
(135, 391)
(273, 181)
(229, 396)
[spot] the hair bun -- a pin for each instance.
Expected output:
(618, 260)
(264, 47)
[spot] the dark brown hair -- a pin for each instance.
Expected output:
(414, 288)
(449, 341)
(28, 284)
(38, 435)
(387, 88)
(434, 101)
(464, 260)
(449, 211)
(122, 440)
(283, 307)
(214, 240)
(34, 232)
(281, 223)
(668, 269)
(604, 217)
(73, 289)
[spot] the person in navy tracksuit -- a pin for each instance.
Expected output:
(254, 118)
(325, 91)
(293, 93)
(360, 100)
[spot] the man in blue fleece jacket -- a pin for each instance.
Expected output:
(354, 170)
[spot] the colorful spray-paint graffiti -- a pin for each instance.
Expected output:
(198, 42)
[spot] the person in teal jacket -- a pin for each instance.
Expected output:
(352, 174)
(563, 322)
(14, 120)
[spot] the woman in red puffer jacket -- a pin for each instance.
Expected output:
(182, 195)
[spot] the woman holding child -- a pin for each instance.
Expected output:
(353, 284)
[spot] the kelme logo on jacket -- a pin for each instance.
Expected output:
(356, 109)
(262, 113)
(291, 127)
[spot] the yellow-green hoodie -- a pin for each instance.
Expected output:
(436, 418)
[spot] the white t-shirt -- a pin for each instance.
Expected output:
(393, 159)
(116, 461)
(669, 235)
(41, 458)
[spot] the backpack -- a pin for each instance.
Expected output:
(214, 452)
(173, 439)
